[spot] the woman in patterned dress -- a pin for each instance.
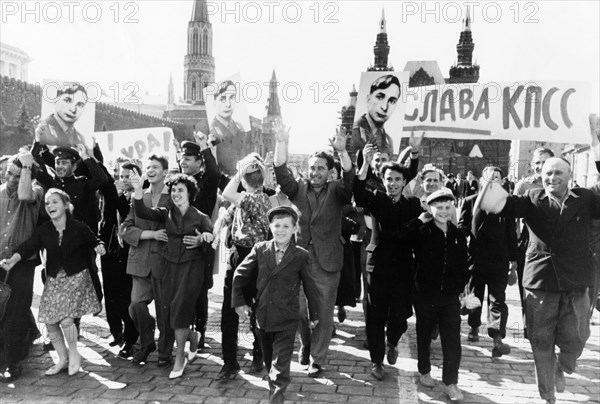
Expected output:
(68, 292)
(189, 232)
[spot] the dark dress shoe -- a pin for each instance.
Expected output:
(126, 353)
(117, 341)
(257, 364)
(392, 354)
(12, 373)
(163, 362)
(228, 371)
(140, 358)
(315, 370)
(377, 371)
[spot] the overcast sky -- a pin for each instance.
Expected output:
(318, 49)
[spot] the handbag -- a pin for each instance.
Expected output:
(5, 292)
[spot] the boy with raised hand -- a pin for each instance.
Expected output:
(282, 267)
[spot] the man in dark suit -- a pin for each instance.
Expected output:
(558, 268)
(493, 252)
(320, 203)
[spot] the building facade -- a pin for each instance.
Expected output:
(14, 63)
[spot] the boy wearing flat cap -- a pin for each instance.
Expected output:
(282, 267)
(440, 275)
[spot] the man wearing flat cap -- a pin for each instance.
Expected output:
(198, 161)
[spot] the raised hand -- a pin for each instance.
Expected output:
(26, 159)
(368, 151)
(339, 141)
(415, 141)
(83, 151)
(282, 133)
(201, 139)
(137, 182)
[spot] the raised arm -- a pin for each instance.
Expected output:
(26, 192)
(97, 176)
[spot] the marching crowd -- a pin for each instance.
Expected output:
(422, 243)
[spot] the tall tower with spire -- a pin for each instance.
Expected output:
(464, 71)
(170, 94)
(273, 108)
(199, 63)
(381, 48)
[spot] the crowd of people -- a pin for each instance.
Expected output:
(357, 224)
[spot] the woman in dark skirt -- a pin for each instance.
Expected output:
(68, 292)
(189, 232)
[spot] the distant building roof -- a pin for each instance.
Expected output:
(16, 52)
(430, 66)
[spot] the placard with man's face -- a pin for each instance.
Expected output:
(68, 113)
(224, 99)
(381, 104)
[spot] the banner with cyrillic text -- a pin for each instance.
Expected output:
(550, 111)
(136, 145)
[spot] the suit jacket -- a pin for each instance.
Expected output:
(496, 240)
(319, 224)
(177, 226)
(144, 255)
(558, 256)
(362, 133)
(278, 286)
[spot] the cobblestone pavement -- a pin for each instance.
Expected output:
(347, 379)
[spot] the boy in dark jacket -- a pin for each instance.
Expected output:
(281, 266)
(440, 275)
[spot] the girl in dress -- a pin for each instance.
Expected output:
(68, 292)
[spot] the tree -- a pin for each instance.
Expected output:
(24, 125)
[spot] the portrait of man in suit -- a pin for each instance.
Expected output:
(58, 128)
(381, 102)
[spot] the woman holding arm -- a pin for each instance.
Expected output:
(68, 292)
(188, 230)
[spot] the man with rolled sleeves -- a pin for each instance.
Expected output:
(198, 161)
(558, 268)
(320, 203)
(20, 200)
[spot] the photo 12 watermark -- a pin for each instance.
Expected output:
(319, 12)
(54, 12)
(453, 12)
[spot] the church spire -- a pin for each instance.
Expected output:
(199, 63)
(467, 20)
(381, 48)
(200, 11)
(464, 71)
(273, 107)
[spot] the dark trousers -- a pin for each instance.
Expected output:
(229, 318)
(277, 348)
(117, 297)
(201, 317)
(445, 311)
(144, 290)
(520, 268)
(556, 319)
(496, 280)
(358, 250)
(17, 331)
(388, 302)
